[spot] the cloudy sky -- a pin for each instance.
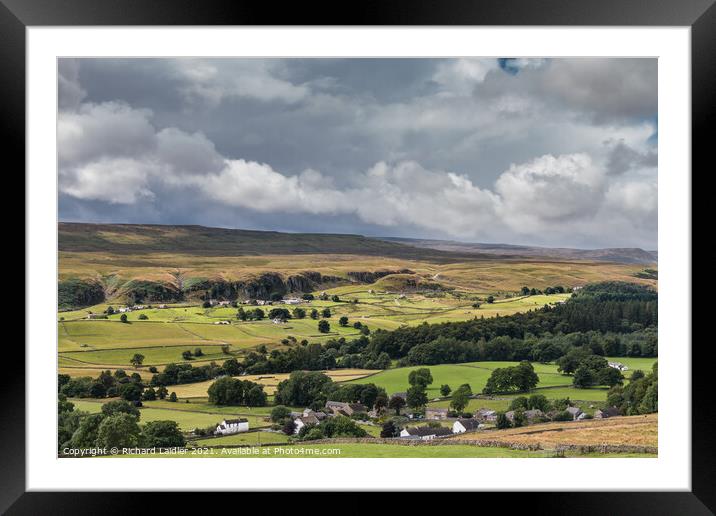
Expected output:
(558, 152)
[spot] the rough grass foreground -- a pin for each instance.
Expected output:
(630, 431)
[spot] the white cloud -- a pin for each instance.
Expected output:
(215, 80)
(114, 180)
(460, 76)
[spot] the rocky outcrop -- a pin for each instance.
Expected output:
(372, 276)
(263, 286)
(144, 291)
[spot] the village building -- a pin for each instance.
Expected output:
(530, 415)
(96, 316)
(466, 425)
(486, 415)
(575, 412)
(345, 409)
(606, 412)
(403, 395)
(232, 426)
(436, 413)
(618, 365)
(302, 421)
(424, 433)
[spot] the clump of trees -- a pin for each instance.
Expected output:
(117, 425)
(232, 391)
(520, 378)
(639, 396)
(338, 426)
(313, 389)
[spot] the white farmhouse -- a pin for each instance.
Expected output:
(232, 426)
(465, 425)
(424, 433)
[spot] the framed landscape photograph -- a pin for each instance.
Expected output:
(385, 258)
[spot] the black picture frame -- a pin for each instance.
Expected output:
(700, 15)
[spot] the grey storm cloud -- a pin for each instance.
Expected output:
(535, 151)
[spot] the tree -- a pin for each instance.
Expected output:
(502, 421)
(173, 396)
(162, 392)
(324, 326)
(162, 434)
(289, 427)
(130, 391)
(326, 312)
(445, 390)
(314, 314)
(110, 310)
(299, 313)
(381, 401)
(143, 317)
(137, 359)
(490, 300)
(538, 402)
(460, 400)
(255, 396)
(525, 291)
(421, 377)
(123, 318)
(198, 352)
(583, 377)
(206, 304)
(279, 413)
(335, 298)
(149, 394)
(389, 430)
(417, 397)
(119, 407)
(241, 314)
(343, 321)
(357, 325)
(304, 388)
(279, 313)
(186, 355)
(118, 430)
(396, 403)
(86, 434)
(308, 297)
(610, 376)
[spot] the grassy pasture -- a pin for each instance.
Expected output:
(248, 438)
(473, 373)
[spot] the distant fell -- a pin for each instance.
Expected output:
(632, 255)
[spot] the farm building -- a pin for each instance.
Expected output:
(486, 415)
(292, 301)
(424, 433)
(345, 409)
(618, 365)
(576, 412)
(465, 425)
(96, 316)
(606, 412)
(222, 322)
(302, 421)
(232, 426)
(436, 413)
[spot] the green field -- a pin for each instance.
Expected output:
(248, 438)
(552, 384)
